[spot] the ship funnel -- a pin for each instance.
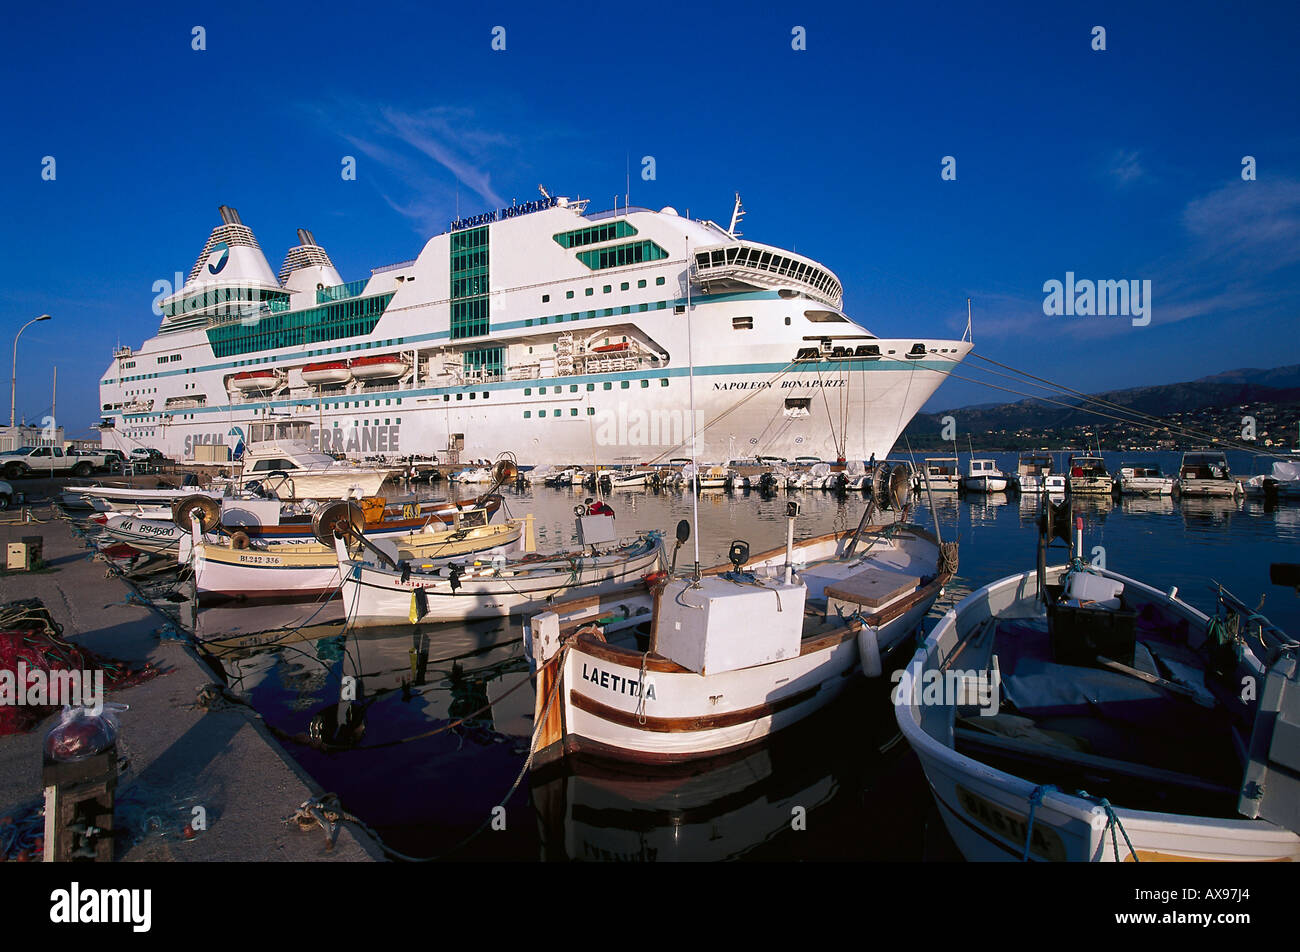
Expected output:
(305, 237)
(228, 215)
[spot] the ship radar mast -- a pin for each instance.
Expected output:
(737, 213)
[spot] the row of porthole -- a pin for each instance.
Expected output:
(573, 387)
(573, 411)
(607, 289)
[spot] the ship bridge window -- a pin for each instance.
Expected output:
(271, 465)
(825, 317)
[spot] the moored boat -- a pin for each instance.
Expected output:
(1072, 713)
(1032, 470)
(1088, 475)
(1144, 479)
(307, 569)
(983, 476)
(1206, 473)
(702, 665)
(378, 594)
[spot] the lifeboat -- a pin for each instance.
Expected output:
(380, 367)
(327, 373)
(611, 348)
(255, 380)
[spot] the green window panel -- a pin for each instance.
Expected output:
(299, 328)
(618, 256)
(595, 234)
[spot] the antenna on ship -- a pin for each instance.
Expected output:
(545, 194)
(967, 336)
(737, 213)
(695, 466)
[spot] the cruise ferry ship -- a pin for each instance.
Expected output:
(561, 335)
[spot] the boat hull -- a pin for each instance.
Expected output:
(374, 596)
(986, 810)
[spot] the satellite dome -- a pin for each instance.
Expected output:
(668, 210)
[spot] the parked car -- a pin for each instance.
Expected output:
(42, 460)
(96, 459)
(6, 494)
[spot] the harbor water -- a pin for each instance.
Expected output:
(839, 785)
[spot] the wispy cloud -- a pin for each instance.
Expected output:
(1234, 241)
(1125, 167)
(427, 160)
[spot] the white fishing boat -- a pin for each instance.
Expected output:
(701, 665)
(705, 476)
(1282, 482)
(633, 479)
(280, 459)
(983, 476)
(1104, 720)
(260, 522)
(1055, 485)
(1032, 470)
(126, 499)
(1144, 479)
(941, 473)
(1088, 475)
(381, 594)
(1206, 473)
(284, 570)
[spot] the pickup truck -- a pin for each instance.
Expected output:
(44, 460)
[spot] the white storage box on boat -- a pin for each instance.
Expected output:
(723, 625)
(250, 512)
(1086, 587)
(596, 530)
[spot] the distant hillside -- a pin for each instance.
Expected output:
(1278, 387)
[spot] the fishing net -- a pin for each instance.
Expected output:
(28, 635)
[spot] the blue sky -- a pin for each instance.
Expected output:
(1115, 164)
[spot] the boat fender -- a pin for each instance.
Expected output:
(869, 651)
(239, 540)
(655, 580)
(405, 566)
(454, 572)
(419, 605)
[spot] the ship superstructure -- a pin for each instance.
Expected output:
(539, 328)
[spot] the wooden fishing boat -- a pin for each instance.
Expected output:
(697, 667)
(385, 594)
(298, 570)
(1206, 473)
(261, 522)
(1072, 713)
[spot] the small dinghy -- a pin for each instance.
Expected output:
(697, 666)
(1072, 713)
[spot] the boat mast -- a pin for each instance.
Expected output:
(695, 466)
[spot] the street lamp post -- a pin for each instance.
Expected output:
(13, 379)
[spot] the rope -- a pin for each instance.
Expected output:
(1035, 800)
(1112, 822)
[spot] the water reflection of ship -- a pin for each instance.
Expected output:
(983, 507)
